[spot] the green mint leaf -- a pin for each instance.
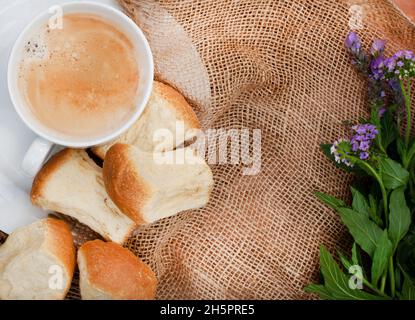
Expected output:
(393, 174)
(399, 216)
(373, 202)
(320, 290)
(373, 210)
(329, 200)
(360, 203)
(365, 232)
(337, 283)
(381, 257)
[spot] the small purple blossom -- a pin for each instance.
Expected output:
(355, 146)
(381, 112)
(362, 139)
(364, 145)
(400, 65)
(362, 129)
(378, 47)
(404, 54)
(359, 57)
(364, 155)
(353, 42)
(390, 64)
(358, 146)
(377, 66)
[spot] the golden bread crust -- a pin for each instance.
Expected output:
(60, 244)
(116, 271)
(178, 102)
(123, 184)
(43, 175)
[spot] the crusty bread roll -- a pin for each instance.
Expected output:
(37, 262)
(165, 108)
(111, 272)
(147, 191)
(71, 183)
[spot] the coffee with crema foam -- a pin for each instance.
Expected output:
(80, 80)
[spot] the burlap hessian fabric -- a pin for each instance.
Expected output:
(275, 65)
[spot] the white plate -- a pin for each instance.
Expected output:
(15, 138)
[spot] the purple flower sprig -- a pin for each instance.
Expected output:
(358, 146)
(359, 57)
(382, 153)
(372, 66)
(399, 71)
(362, 140)
(401, 65)
(377, 68)
(378, 47)
(353, 42)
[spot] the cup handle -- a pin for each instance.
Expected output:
(36, 156)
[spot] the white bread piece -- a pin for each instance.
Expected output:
(165, 108)
(37, 262)
(147, 191)
(71, 183)
(111, 272)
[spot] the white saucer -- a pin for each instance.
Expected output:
(15, 138)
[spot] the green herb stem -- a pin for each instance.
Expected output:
(407, 99)
(380, 146)
(392, 276)
(407, 158)
(381, 185)
(373, 288)
(383, 282)
(385, 203)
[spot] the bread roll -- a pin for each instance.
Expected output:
(111, 272)
(147, 191)
(71, 183)
(165, 108)
(37, 262)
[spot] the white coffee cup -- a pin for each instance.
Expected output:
(41, 147)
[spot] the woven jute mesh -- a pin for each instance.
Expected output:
(273, 65)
